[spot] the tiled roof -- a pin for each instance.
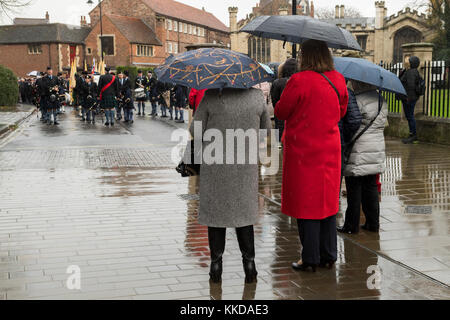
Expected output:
(135, 30)
(29, 21)
(43, 33)
(181, 11)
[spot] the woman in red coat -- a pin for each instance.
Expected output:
(312, 109)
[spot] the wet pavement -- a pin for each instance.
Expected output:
(109, 201)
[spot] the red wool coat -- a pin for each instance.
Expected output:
(312, 149)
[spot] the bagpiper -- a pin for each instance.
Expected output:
(51, 97)
(108, 91)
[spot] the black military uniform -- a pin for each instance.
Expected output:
(108, 91)
(51, 91)
(141, 83)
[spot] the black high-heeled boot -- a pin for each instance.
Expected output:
(216, 237)
(246, 241)
(304, 266)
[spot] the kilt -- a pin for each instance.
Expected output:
(108, 102)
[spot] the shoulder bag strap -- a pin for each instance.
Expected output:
(334, 87)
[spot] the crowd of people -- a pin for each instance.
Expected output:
(50, 94)
(331, 129)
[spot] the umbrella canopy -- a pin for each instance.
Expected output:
(268, 69)
(368, 72)
(33, 74)
(298, 29)
(210, 68)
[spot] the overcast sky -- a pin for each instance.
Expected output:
(70, 11)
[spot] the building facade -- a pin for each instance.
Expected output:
(174, 24)
(381, 37)
(36, 44)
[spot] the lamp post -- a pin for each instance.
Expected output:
(101, 25)
(294, 45)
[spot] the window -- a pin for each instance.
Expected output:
(107, 45)
(175, 48)
(34, 49)
(190, 29)
(185, 28)
(259, 49)
(169, 47)
(144, 51)
(89, 51)
(362, 41)
(169, 24)
(194, 30)
(175, 26)
(180, 27)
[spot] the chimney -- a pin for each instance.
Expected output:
(83, 21)
(47, 16)
(336, 12)
(312, 10)
(342, 14)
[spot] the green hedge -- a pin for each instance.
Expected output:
(133, 71)
(9, 88)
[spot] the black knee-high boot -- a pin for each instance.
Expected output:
(246, 239)
(216, 237)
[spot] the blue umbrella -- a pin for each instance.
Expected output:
(268, 69)
(210, 68)
(368, 72)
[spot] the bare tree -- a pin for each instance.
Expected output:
(329, 13)
(11, 6)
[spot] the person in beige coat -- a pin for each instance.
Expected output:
(229, 192)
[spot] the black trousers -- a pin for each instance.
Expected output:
(319, 240)
(362, 191)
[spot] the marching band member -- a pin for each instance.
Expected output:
(108, 91)
(51, 89)
(141, 93)
(91, 98)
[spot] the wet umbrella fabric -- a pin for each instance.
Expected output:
(298, 29)
(368, 72)
(210, 68)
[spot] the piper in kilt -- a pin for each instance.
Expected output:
(108, 91)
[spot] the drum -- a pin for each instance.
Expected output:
(139, 93)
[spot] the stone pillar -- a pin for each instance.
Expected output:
(342, 12)
(233, 11)
(424, 51)
(379, 31)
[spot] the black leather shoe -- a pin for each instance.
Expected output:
(56, 123)
(107, 124)
(304, 266)
(215, 272)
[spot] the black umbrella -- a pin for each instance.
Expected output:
(298, 29)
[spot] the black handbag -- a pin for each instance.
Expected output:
(189, 169)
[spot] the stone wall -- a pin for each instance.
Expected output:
(429, 129)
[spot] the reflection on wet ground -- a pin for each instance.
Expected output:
(133, 231)
(417, 175)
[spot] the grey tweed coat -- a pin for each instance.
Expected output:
(229, 192)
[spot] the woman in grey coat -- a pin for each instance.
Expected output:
(365, 162)
(228, 186)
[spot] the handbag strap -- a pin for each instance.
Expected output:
(332, 84)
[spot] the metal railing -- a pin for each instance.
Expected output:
(436, 100)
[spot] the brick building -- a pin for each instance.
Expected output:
(33, 44)
(175, 25)
(126, 41)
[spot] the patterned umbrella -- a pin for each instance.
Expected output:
(210, 68)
